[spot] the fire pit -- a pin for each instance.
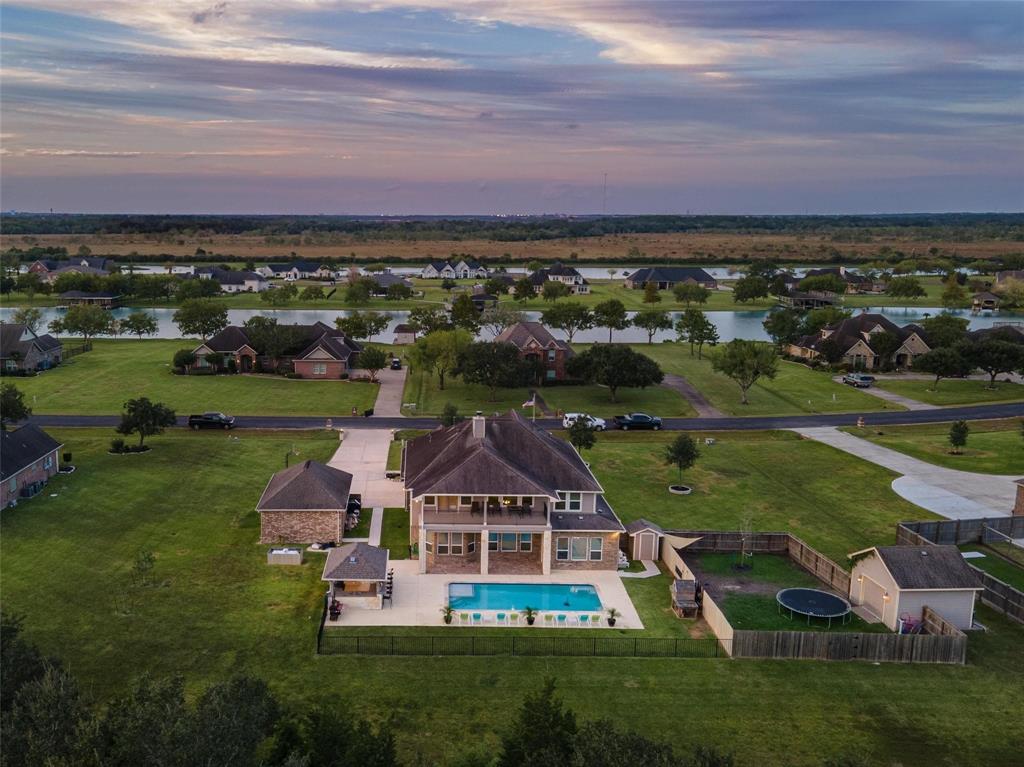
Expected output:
(680, 489)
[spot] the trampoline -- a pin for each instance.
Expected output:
(814, 604)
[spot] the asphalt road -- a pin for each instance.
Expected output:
(732, 423)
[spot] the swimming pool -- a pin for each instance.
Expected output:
(576, 597)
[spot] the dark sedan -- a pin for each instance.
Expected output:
(637, 421)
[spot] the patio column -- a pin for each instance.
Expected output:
(423, 549)
(484, 553)
(545, 553)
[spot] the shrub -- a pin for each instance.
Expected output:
(293, 375)
(184, 358)
(344, 376)
(232, 365)
(117, 445)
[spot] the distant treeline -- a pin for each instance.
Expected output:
(953, 227)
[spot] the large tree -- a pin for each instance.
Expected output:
(201, 317)
(943, 362)
(885, 345)
(994, 357)
(552, 290)
(783, 325)
(611, 314)
(140, 324)
(905, 287)
(816, 319)
(691, 293)
(543, 734)
(86, 321)
(944, 330)
(695, 328)
(28, 316)
(825, 283)
(280, 295)
(523, 290)
(372, 359)
(651, 295)
(749, 288)
(582, 434)
(145, 418)
(570, 317)
(441, 350)
(427, 319)
(615, 366)
(499, 318)
(12, 405)
(746, 362)
(651, 321)
(464, 313)
(366, 325)
(493, 365)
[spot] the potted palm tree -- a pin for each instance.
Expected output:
(446, 613)
(531, 615)
(612, 615)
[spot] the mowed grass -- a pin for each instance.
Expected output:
(218, 609)
(100, 381)
(955, 392)
(996, 566)
(993, 447)
(468, 398)
(795, 389)
(773, 481)
(394, 533)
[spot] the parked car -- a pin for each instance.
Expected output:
(860, 380)
(396, 364)
(637, 421)
(211, 421)
(595, 423)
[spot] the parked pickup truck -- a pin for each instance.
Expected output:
(211, 421)
(637, 421)
(859, 380)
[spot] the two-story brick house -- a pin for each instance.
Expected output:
(535, 342)
(503, 496)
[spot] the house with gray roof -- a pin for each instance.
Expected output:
(896, 583)
(21, 348)
(305, 503)
(559, 272)
(853, 340)
(667, 277)
(315, 351)
(28, 458)
(503, 496)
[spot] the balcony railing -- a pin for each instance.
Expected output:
(495, 514)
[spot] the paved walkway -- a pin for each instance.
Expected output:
(650, 570)
(376, 521)
(692, 395)
(363, 453)
(947, 492)
(389, 396)
(888, 396)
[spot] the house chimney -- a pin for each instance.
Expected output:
(479, 426)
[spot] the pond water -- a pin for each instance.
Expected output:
(739, 324)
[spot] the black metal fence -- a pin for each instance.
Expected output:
(576, 645)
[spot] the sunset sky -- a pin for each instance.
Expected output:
(514, 106)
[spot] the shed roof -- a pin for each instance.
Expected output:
(356, 562)
(915, 568)
(642, 524)
(307, 486)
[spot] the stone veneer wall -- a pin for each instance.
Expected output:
(609, 558)
(301, 526)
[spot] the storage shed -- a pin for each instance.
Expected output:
(897, 582)
(644, 540)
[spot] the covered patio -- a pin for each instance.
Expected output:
(358, 576)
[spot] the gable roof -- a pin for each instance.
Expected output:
(12, 339)
(557, 269)
(233, 337)
(670, 274)
(514, 457)
(356, 562)
(522, 333)
(857, 329)
(334, 343)
(22, 447)
(230, 339)
(604, 520)
(642, 524)
(307, 486)
(926, 567)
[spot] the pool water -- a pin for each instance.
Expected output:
(518, 596)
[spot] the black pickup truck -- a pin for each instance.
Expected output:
(211, 421)
(637, 421)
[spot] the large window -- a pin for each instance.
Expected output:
(526, 542)
(492, 541)
(442, 543)
(465, 500)
(579, 549)
(596, 549)
(569, 501)
(319, 368)
(509, 541)
(430, 500)
(456, 547)
(562, 549)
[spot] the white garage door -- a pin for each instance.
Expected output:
(873, 597)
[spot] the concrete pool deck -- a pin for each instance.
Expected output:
(418, 598)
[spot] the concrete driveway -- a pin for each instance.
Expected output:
(947, 492)
(363, 453)
(389, 396)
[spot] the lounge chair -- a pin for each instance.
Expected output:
(562, 620)
(513, 619)
(549, 619)
(501, 619)
(463, 618)
(477, 619)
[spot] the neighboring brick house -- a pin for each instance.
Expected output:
(318, 351)
(28, 458)
(23, 349)
(384, 280)
(502, 495)
(667, 277)
(535, 342)
(50, 269)
(305, 503)
(559, 272)
(854, 338)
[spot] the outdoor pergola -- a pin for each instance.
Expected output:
(357, 573)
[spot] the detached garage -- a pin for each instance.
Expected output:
(644, 540)
(897, 582)
(305, 503)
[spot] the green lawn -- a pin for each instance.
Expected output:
(993, 447)
(774, 480)
(217, 609)
(468, 398)
(955, 392)
(795, 389)
(996, 566)
(394, 533)
(99, 382)
(362, 530)
(932, 285)
(765, 568)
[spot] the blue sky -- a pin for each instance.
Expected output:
(495, 106)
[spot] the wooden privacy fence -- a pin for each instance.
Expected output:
(1000, 596)
(828, 645)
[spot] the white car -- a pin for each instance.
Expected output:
(596, 423)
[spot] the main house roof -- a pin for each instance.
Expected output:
(522, 333)
(22, 447)
(337, 344)
(859, 329)
(916, 568)
(513, 457)
(307, 486)
(16, 337)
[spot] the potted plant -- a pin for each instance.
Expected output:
(531, 615)
(446, 613)
(612, 615)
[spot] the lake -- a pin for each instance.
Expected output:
(735, 324)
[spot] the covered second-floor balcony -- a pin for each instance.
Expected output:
(517, 511)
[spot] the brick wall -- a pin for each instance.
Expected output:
(33, 473)
(609, 557)
(305, 368)
(301, 526)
